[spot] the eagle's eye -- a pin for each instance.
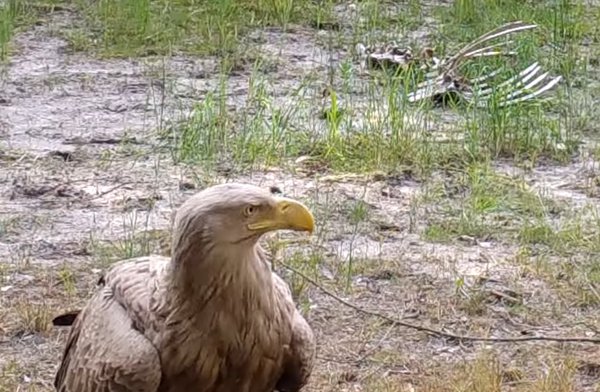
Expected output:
(250, 210)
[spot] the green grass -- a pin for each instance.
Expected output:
(483, 204)
(143, 27)
(386, 133)
(351, 137)
(579, 233)
(12, 13)
(137, 240)
(380, 132)
(16, 15)
(574, 277)
(348, 123)
(562, 23)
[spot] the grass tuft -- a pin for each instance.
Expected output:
(143, 27)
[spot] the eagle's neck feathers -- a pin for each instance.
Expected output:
(220, 278)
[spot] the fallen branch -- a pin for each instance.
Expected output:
(106, 192)
(437, 332)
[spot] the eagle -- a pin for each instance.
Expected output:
(213, 317)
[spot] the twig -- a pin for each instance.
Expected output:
(436, 332)
(102, 194)
(379, 344)
(99, 140)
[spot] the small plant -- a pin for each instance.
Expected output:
(67, 279)
(205, 135)
(33, 317)
(144, 27)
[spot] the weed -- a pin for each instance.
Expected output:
(10, 12)
(137, 240)
(143, 27)
(9, 376)
(34, 317)
(67, 279)
(487, 205)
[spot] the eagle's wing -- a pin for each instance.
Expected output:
(301, 355)
(106, 351)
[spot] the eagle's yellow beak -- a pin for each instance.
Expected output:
(288, 214)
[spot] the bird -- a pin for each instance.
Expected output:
(212, 317)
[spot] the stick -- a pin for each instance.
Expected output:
(437, 332)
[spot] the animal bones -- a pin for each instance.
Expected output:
(443, 76)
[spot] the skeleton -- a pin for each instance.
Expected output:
(443, 77)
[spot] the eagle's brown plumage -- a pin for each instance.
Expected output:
(211, 318)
